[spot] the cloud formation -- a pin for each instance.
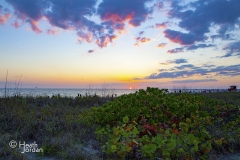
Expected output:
(90, 51)
(34, 26)
(183, 38)
(176, 50)
(194, 80)
(194, 47)
(4, 15)
(197, 17)
(189, 70)
(74, 15)
(133, 12)
(161, 45)
(161, 25)
(141, 40)
(176, 61)
(4, 18)
(233, 49)
(52, 32)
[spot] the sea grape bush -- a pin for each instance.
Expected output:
(153, 123)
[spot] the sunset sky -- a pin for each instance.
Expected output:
(122, 43)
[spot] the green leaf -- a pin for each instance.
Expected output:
(158, 140)
(125, 119)
(166, 153)
(114, 147)
(172, 145)
(149, 148)
(135, 131)
(125, 134)
(191, 137)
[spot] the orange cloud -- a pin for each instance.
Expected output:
(161, 45)
(141, 40)
(144, 39)
(117, 18)
(104, 40)
(4, 18)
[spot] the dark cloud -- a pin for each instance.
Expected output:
(232, 70)
(183, 38)
(67, 15)
(176, 61)
(168, 75)
(189, 70)
(195, 18)
(134, 12)
(28, 8)
(90, 51)
(228, 54)
(202, 15)
(194, 47)
(141, 33)
(233, 49)
(176, 50)
(115, 14)
(190, 48)
(186, 66)
(194, 81)
(74, 15)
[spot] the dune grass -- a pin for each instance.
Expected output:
(53, 123)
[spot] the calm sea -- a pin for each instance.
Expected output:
(64, 92)
(74, 92)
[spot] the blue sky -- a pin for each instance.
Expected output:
(127, 43)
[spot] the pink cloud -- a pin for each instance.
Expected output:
(53, 32)
(16, 24)
(34, 26)
(104, 40)
(141, 40)
(161, 25)
(117, 18)
(88, 37)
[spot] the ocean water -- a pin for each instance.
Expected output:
(64, 92)
(74, 92)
